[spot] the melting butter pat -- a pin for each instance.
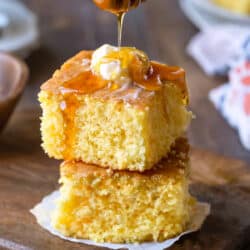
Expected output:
(116, 64)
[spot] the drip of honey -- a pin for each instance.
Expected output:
(120, 19)
(84, 83)
(118, 8)
(69, 106)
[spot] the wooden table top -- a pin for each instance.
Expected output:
(159, 28)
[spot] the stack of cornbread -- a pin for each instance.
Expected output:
(117, 120)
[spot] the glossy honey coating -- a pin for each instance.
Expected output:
(78, 78)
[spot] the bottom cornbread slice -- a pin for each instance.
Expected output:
(121, 206)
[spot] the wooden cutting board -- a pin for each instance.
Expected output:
(26, 175)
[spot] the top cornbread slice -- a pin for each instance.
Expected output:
(129, 128)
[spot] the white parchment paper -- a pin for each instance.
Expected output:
(43, 210)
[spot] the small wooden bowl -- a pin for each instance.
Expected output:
(13, 77)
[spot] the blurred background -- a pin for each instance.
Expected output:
(56, 30)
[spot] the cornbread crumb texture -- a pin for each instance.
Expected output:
(101, 128)
(120, 206)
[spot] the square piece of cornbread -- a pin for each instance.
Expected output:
(127, 128)
(122, 206)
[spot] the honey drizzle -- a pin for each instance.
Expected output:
(172, 75)
(69, 106)
(153, 80)
(120, 20)
(119, 8)
(70, 103)
(85, 83)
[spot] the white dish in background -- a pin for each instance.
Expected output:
(4, 21)
(204, 14)
(20, 35)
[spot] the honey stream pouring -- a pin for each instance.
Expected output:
(119, 8)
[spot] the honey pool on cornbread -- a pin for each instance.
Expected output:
(106, 205)
(113, 108)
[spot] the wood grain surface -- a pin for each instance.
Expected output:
(27, 174)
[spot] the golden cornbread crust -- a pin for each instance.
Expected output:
(110, 128)
(177, 159)
(122, 206)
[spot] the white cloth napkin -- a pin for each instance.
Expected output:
(219, 48)
(225, 50)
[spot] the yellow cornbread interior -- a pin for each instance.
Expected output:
(122, 206)
(240, 6)
(112, 133)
